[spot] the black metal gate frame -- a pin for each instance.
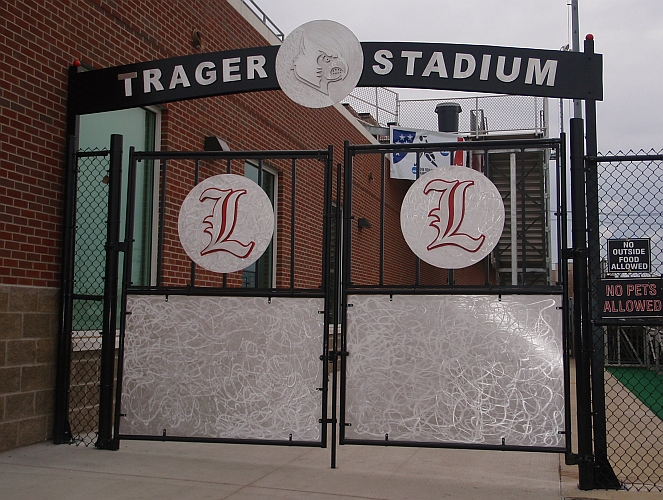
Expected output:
(109, 433)
(561, 288)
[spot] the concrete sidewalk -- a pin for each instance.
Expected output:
(156, 470)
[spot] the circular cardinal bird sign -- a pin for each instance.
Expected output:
(452, 217)
(319, 63)
(226, 223)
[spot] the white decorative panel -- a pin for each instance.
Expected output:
(457, 369)
(223, 367)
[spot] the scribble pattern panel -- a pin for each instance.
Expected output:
(223, 367)
(463, 369)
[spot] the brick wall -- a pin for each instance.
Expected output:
(39, 39)
(28, 326)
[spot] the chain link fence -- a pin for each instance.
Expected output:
(88, 294)
(480, 116)
(375, 105)
(630, 206)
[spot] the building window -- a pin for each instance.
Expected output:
(260, 274)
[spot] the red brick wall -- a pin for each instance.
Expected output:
(40, 39)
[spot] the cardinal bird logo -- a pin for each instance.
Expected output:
(220, 224)
(318, 67)
(449, 214)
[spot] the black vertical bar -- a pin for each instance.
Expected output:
(563, 279)
(258, 262)
(293, 183)
(196, 176)
(580, 308)
(61, 430)
(382, 203)
(328, 289)
(228, 170)
(162, 222)
(523, 218)
(126, 283)
(335, 313)
(417, 261)
(109, 325)
(346, 276)
(604, 476)
(470, 155)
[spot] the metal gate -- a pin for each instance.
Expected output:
(466, 358)
(624, 203)
(89, 291)
(238, 357)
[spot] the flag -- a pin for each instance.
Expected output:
(403, 164)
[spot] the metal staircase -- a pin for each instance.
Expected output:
(532, 238)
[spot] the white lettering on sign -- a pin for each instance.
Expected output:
(384, 65)
(537, 72)
(411, 57)
(515, 69)
(436, 65)
(204, 74)
(467, 61)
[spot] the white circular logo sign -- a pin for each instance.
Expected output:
(226, 223)
(452, 217)
(319, 64)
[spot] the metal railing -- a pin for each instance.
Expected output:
(260, 14)
(481, 116)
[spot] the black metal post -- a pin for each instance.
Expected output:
(128, 246)
(346, 276)
(580, 309)
(293, 184)
(107, 368)
(61, 430)
(604, 477)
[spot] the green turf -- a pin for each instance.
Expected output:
(645, 384)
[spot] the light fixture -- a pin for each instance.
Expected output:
(213, 143)
(362, 222)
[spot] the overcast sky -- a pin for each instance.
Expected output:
(629, 34)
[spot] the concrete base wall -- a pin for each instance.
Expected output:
(28, 334)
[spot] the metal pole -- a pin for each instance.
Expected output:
(575, 47)
(582, 344)
(107, 370)
(604, 476)
(514, 222)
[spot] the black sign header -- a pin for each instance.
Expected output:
(473, 68)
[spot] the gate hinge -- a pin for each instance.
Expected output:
(570, 253)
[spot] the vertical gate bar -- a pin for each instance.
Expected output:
(470, 155)
(335, 314)
(604, 476)
(327, 288)
(293, 179)
(417, 261)
(109, 325)
(487, 171)
(257, 262)
(382, 202)
(196, 177)
(162, 222)
(580, 309)
(523, 218)
(346, 276)
(514, 219)
(228, 169)
(61, 430)
(563, 278)
(126, 283)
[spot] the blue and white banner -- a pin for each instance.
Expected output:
(403, 165)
